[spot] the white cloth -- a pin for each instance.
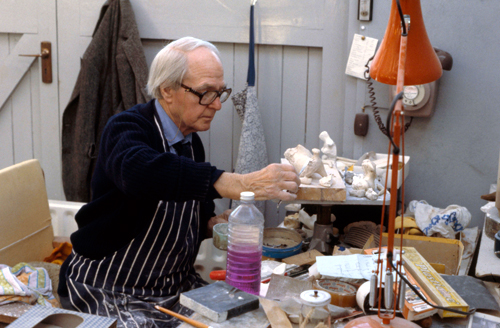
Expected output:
(445, 222)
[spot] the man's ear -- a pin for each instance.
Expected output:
(167, 94)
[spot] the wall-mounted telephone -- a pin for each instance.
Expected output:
(420, 100)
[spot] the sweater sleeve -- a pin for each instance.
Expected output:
(136, 163)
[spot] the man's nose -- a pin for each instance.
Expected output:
(216, 104)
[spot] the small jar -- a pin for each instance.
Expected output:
(314, 312)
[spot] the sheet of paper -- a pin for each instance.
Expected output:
(362, 49)
(355, 266)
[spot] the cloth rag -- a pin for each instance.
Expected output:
(24, 283)
(445, 222)
(59, 254)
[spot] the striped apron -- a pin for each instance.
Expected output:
(153, 269)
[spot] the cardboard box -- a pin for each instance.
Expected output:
(25, 223)
(447, 252)
(415, 308)
(433, 284)
(49, 317)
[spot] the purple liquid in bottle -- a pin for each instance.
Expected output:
(244, 250)
(243, 270)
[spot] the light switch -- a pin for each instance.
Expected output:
(365, 8)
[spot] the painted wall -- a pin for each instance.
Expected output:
(454, 154)
(302, 49)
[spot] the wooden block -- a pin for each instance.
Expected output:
(276, 316)
(308, 257)
(316, 192)
(319, 193)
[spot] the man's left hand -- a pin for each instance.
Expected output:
(221, 218)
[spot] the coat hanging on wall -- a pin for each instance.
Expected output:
(112, 78)
(252, 153)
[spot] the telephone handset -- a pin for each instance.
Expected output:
(420, 100)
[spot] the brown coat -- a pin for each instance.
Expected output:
(112, 78)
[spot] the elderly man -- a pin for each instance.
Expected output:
(152, 195)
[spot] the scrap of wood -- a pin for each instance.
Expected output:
(308, 257)
(276, 316)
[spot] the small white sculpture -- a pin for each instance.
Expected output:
(329, 149)
(305, 163)
(327, 181)
(306, 219)
(366, 185)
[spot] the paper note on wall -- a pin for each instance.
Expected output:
(362, 49)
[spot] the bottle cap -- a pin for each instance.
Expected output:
(247, 195)
(315, 297)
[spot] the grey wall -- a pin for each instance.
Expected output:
(301, 55)
(454, 154)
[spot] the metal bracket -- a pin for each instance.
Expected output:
(46, 55)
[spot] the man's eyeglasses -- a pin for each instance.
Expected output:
(208, 97)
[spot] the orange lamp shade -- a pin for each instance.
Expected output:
(422, 63)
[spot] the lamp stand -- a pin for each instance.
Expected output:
(389, 319)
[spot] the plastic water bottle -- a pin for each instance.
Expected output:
(244, 250)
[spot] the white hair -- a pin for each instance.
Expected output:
(170, 64)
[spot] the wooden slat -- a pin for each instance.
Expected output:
(334, 58)
(221, 127)
(35, 111)
(14, 67)
(6, 137)
(50, 134)
(293, 112)
(269, 93)
(313, 99)
(19, 16)
(222, 21)
(269, 81)
(22, 120)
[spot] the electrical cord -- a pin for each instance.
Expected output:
(415, 290)
(373, 101)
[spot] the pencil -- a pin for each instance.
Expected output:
(192, 322)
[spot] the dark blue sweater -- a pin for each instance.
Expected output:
(133, 172)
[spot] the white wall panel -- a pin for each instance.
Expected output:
(6, 150)
(294, 90)
(313, 99)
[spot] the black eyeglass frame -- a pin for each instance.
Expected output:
(201, 95)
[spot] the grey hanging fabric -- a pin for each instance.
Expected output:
(252, 153)
(112, 78)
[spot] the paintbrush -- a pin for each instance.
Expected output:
(192, 322)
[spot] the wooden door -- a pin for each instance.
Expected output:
(29, 108)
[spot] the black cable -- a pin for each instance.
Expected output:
(402, 18)
(415, 290)
(389, 116)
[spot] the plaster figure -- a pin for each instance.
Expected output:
(329, 149)
(305, 163)
(367, 184)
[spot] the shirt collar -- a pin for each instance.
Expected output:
(169, 127)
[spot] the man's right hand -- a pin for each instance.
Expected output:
(275, 181)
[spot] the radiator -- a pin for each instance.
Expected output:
(63, 221)
(63, 216)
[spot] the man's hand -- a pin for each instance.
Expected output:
(275, 181)
(221, 218)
